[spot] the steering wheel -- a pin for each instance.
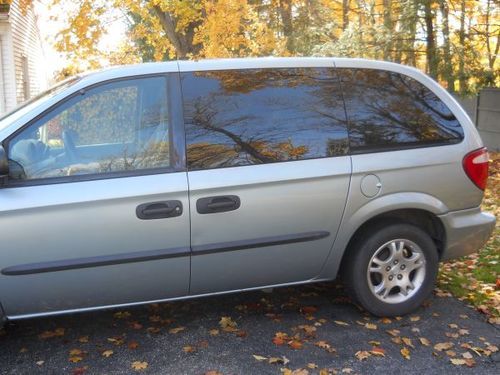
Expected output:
(69, 145)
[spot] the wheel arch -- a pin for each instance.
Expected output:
(418, 209)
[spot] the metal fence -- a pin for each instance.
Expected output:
(484, 110)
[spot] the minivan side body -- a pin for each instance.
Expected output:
(174, 180)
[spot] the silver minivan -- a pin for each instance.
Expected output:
(184, 179)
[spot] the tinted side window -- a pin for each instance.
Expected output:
(388, 110)
(245, 117)
(115, 127)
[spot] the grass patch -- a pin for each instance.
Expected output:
(476, 278)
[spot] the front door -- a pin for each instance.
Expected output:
(96, 208)
(268, 174)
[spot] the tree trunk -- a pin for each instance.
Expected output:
(448, 68)
(462, 84)
(491, 56)
(412, 33)
(432, 68)
(286, 19)
(182, 42)
(345, 14)
(360, 29)
(388, 27)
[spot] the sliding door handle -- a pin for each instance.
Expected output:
(222, 203)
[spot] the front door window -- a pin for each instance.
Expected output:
(115, 127)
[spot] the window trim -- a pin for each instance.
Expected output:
(175, 128)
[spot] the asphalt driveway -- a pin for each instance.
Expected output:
(309, 330)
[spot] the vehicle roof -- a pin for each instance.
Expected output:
(242, 63)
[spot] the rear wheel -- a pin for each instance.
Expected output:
(391, 268)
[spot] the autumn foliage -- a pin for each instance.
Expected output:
(455, 41)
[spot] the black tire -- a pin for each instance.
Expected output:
(359, 255)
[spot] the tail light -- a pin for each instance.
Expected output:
(476, 167)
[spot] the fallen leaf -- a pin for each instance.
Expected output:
(188, 349)
(117, 340)
(378, 351)
(451, 353)
(386, 320)
(295, 344)
(132, 345)
(39, 363)
(75, 359)
(374, 343)
(371, 326)
(309, 309)
(279, 360)
(326, 346)
(467, 355)
(312, 366)
(492, 348)
(414, 318)
(259, 357)
(280, 338)
(136, 325)
(340, 323)
(138, 365)
(75, 352)
(213, 332)
(121, 315)
(153, 330)
(405, 353)
(227, 324)
(443, 346)
(393, 332)
(308, 329)
(453, 325)
(107, 353)
(83, 339)
(458, 361)
(213, 372)
(362, 355)
(176, 330)
(424, 341)
(396, 340)
(408, 342)
(58, 332)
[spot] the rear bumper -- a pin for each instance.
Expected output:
(466, 231)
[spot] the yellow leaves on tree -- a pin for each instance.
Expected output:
(232, 28)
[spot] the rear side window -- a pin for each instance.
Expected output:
(387, 110)
(258, 116)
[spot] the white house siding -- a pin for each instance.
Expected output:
(7, 73)
(23, 65)
(27, 45)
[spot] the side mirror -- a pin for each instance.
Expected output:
(4, 166)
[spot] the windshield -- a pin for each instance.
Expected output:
(36, 100)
